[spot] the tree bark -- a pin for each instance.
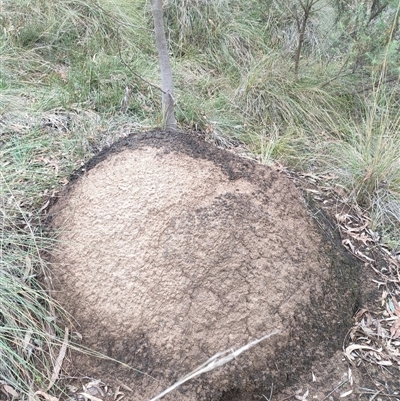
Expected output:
(169, 121)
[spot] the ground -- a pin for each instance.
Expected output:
(172, 250)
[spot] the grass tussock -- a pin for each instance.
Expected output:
(368, 166)
(76, 75)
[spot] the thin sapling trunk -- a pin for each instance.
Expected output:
(169, 120)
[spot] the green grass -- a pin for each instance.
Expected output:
(367, 164)
(62, 82)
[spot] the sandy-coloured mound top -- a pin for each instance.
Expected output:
(172, 250)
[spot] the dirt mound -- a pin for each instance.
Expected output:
(172, 250)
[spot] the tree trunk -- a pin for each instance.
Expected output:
(169, 121)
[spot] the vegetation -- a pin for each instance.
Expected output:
(167, 87)
(312, 84)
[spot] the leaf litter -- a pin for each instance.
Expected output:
(375, 336)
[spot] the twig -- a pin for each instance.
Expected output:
(339, 385)
(132, 71)
(338, 73)
(288, 398)
(270, 394)
(379, 391)
(219, 359)
(374, 394)
(371, 87)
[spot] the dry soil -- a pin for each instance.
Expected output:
(171, 250)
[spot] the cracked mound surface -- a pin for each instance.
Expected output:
(172, 250)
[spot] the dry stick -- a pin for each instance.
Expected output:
(338, 73)
(270, 394)
(339, 385)
(132, 71)
(138, 75)
(374, 394)
(128, 91)
(288, 398)
(214, 362)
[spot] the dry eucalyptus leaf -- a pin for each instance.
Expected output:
(48, 397)
(59, 360)
(341, 218)
(359, 253)
(124, 386)
(28, 268)
(356, 229)
(348, 244)
(117, 393)
(8, 389)
(395, 329)
(303, 397)
(350, 376)
(384, 363)
(396, 306)
(72, 389)
(90, 397)
(93, 383)
(354, 347)
(27, 339)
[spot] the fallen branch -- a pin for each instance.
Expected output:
(219, 359)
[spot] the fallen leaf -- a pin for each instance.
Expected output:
(375, 236)
(346, 393)
(10, 390)
(309, 175)
(356, 229)
(27, 339)
(364, 256)
(91, 397)
(379, 283)
(125, 386)
(28, 267)
(380, 331)
(117, 393)
(354, 347)
(395, 329)
(390, 306)
(302, 397)
(384, 363)
(360, 313)
(396, 306)
(48, 397)
(365, 239)
(59, 360)
(79, 335)
(384, 296)
(340, 191)
(44, 207)
(341, 218)
(313, 191)
(328, 176)
(348, 244)
(93, 383)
